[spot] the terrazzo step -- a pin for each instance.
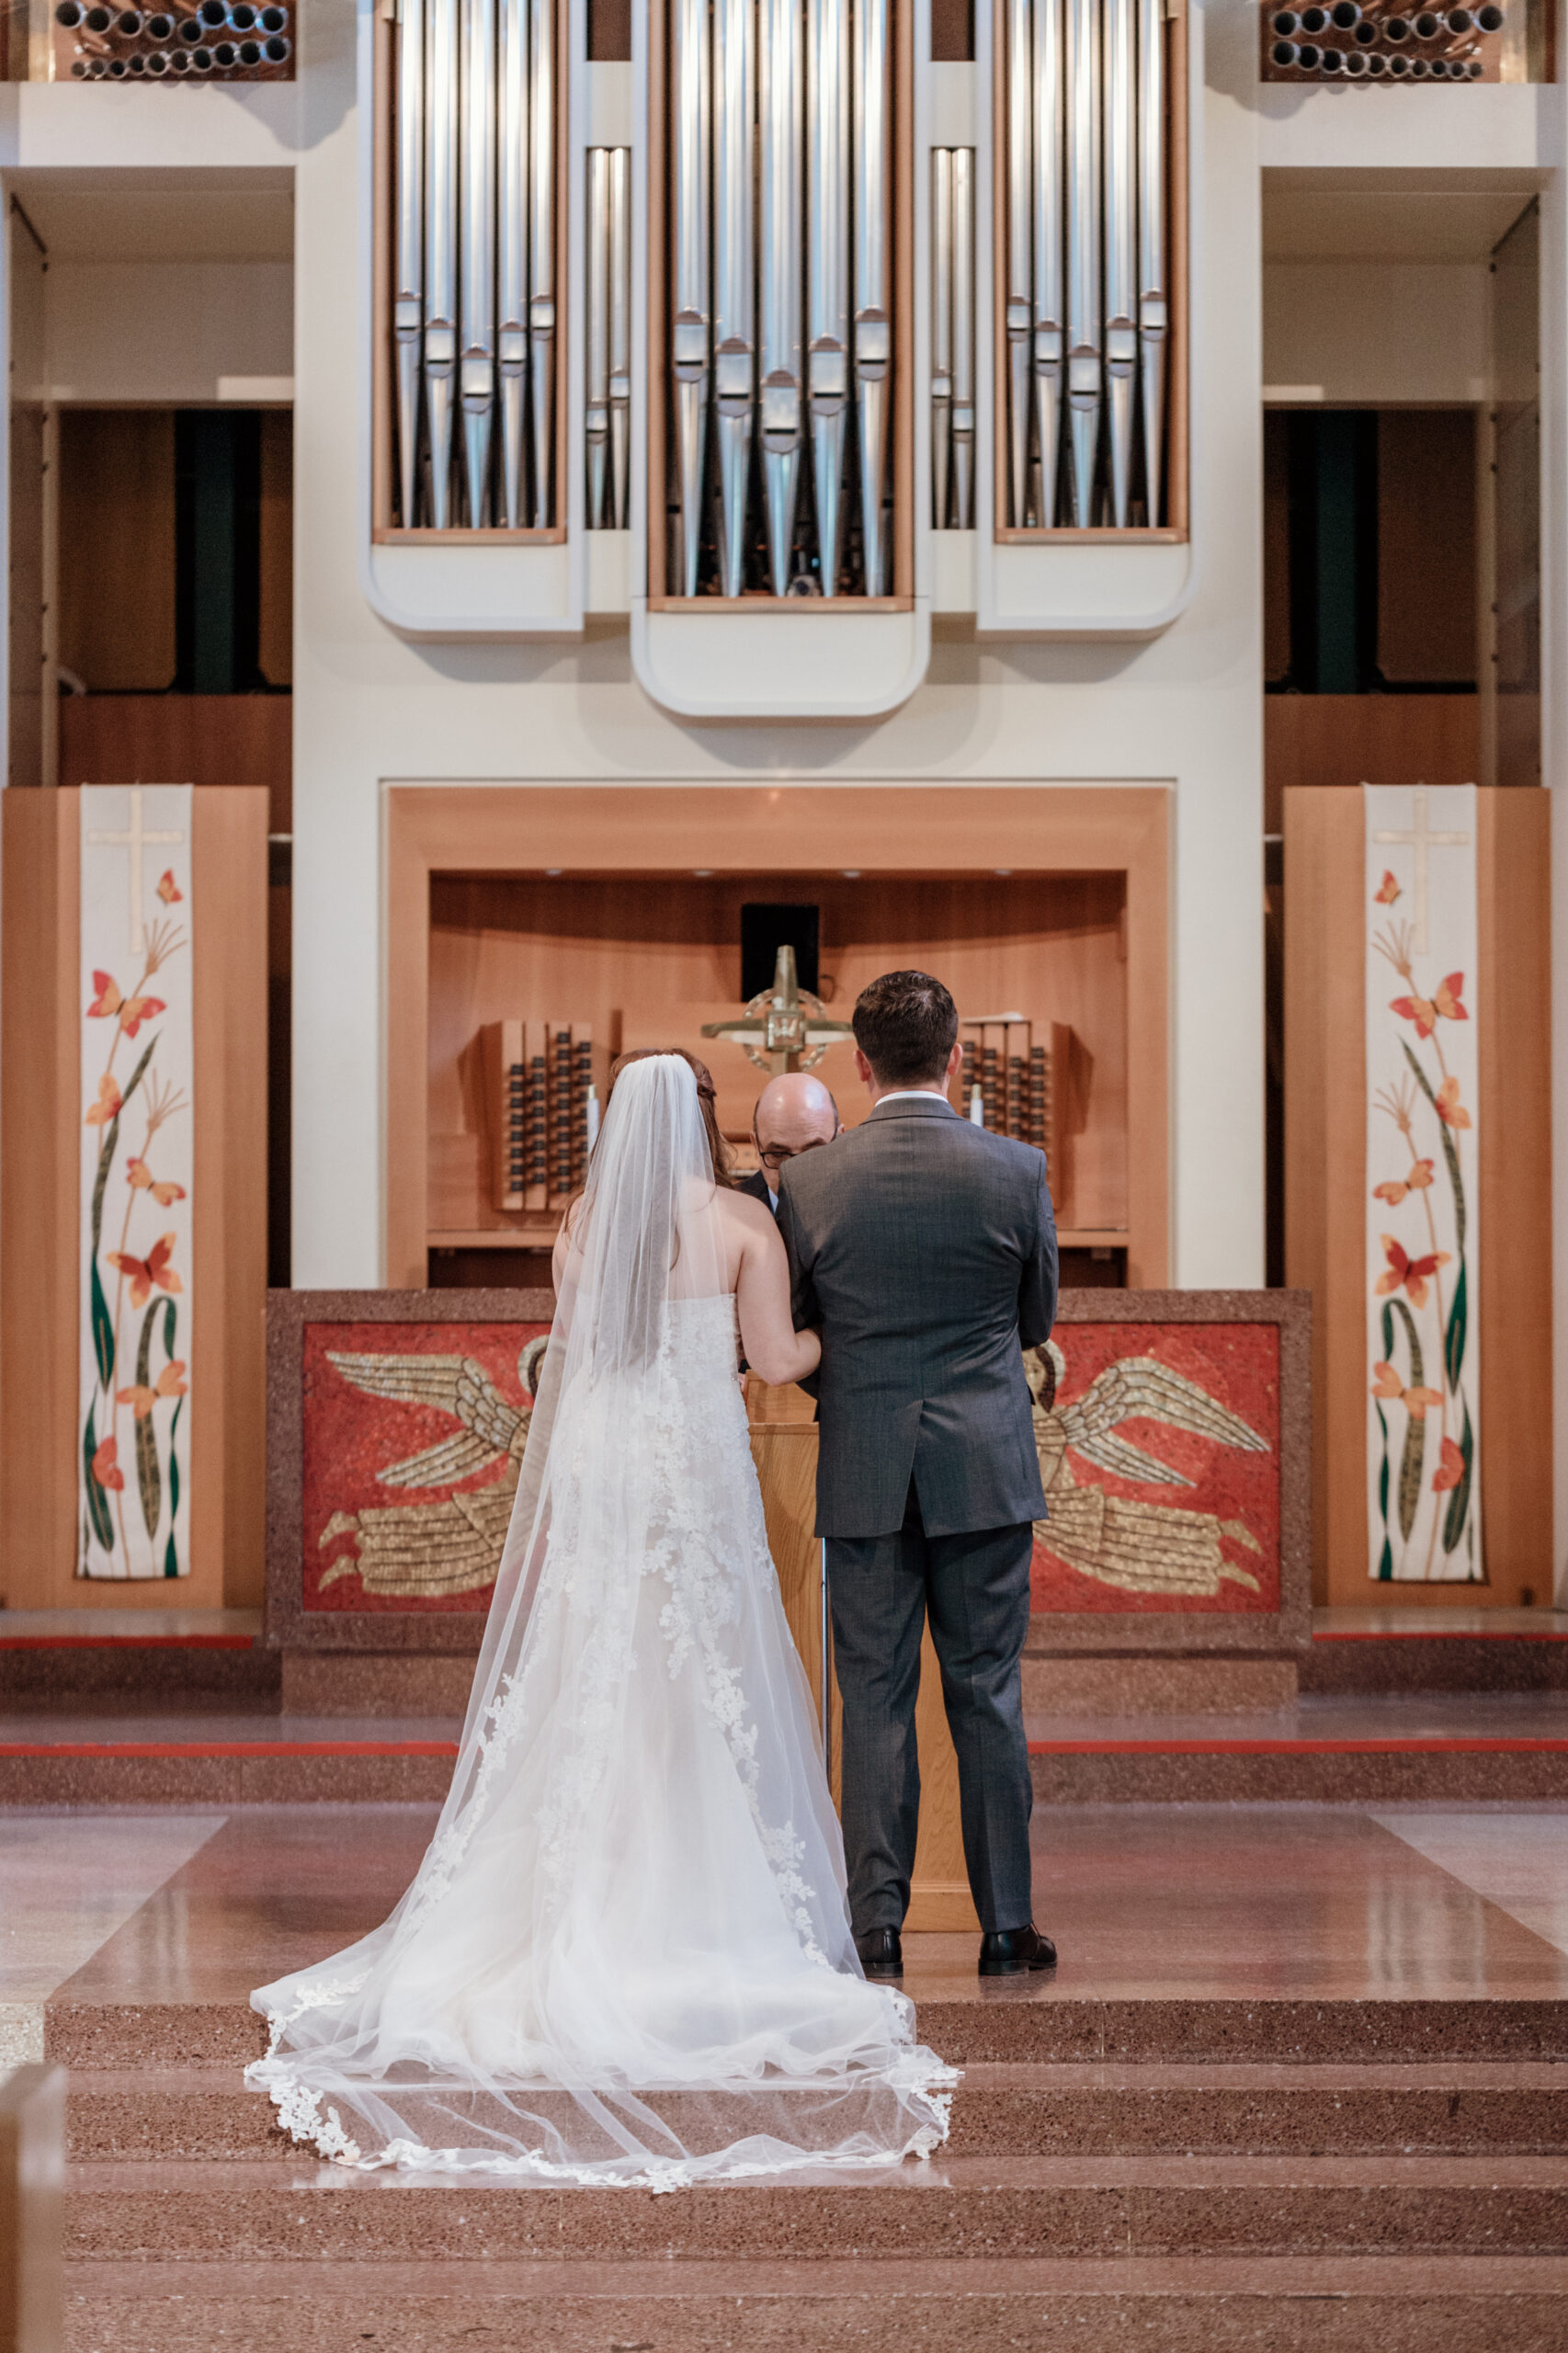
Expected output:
(1093, 2110)
(1237, 1768)
(978, 2208)
(1381, 2305)
(1007, 2022)
(40, 1770)
(1435, 1659)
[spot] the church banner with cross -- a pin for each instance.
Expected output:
(137, 1059)
(1422, 1273)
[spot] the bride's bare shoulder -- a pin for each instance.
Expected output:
(744, 1214)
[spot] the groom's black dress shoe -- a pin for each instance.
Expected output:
(1005, 1952)
(882, 1952)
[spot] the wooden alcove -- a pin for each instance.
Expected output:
(1051, 898)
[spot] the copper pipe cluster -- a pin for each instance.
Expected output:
(1346, 42)
(216, 40)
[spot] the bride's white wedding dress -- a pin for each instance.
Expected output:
(625, 1956)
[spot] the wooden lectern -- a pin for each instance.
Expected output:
(784, 1449)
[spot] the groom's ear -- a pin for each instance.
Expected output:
(867, 1077)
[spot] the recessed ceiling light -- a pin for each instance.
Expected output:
(553, 871)
(701, 873)
(850, 873)
(1001, 870)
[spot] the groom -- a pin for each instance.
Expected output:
(926, 1250)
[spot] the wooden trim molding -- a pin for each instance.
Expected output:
(794, 829)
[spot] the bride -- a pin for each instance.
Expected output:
(625, 1956)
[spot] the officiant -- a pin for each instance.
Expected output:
(794, 1113)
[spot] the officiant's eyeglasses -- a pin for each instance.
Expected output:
(776, 1154)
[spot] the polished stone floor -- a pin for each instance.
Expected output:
(1187, 1901)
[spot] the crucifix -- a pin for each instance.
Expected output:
(784, 1028)
(1422, 841)
(135, 839)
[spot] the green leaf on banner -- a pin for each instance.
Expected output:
(106, 1160)
(1459, 1502)
(1388, 1333)
(171, 1558)
(98, 1501)
(103, 1330)
(147, 1474)
(170, 1320)
(1385, 1563)
(1383, 1472)
(1417, 1366)
(1451, 1153)
(1410, 1473)
(1454, 1338)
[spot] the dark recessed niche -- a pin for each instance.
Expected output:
(767, 925)
(609, 32)
(953, 32)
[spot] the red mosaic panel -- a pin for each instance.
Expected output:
(1142, 1544)
(353, 1436)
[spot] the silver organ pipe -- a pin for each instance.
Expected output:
(606, 417)
(541, 248)
(690, 326)
(827, 270)
(408, 309)
(952, 337)
(1120, 249)
(596, 423)
(476, 374)
(735, 266)
(1083, 337)
(473, 297)
(1016, 314)
(780, 91)
(963, 339)
(619, 335)
(1085, 275)
(873, 272)
(1154, 320)
(942, 332)
(511, 255)
(441, 251)
(1049, 340)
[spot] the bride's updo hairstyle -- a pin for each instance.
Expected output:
(718, 1149)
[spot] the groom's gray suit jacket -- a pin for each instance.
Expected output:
(925, 1248)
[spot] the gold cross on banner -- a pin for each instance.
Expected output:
(135, 839)
(1422, 841)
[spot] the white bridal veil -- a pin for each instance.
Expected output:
(626, 1955)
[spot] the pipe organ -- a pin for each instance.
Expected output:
(776, 356)
(1083, 270)
(473, 305)
(608, 417)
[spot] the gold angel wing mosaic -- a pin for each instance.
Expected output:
(453, 1546)
(1121, 1541)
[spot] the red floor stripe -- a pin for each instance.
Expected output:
(127, 1642)
(228, 1748)
(1412, 1746)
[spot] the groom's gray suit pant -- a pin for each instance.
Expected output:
(975, 1587)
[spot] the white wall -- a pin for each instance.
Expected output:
(165, 330)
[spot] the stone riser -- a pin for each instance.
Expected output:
(149, 1682)
(1309, 2309)
(974, 2210)
(1446, 1663)
(1095, 2112)
(1031, 2031)
(186, 1780)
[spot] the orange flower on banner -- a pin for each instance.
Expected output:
(107, 1107)
(104, 1468)
(1450, 1111)
(1393, 1192)
(1451, 1469)
(168, 890)
(108, 1000)
(1389, 1385)
(141, 1399)
(1389, 892)
(155, 1268)
(1409, 1275)
(137, 1173)
(1426, 1012)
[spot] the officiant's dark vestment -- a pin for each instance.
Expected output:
(925, 1249)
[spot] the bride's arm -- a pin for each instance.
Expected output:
(773, 1346)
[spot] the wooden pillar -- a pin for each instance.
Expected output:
(32, 2210)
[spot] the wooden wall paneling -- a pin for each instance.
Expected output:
(116, 548)
(1325, 1164)
(40, 932)
(1370, 739)
(275, 651)
(617, 835)
(188, 739)
(1514, 1146)
(229, 1370)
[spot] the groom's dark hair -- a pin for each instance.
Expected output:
(906, 1026)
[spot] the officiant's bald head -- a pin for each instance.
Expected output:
(794, 1114)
